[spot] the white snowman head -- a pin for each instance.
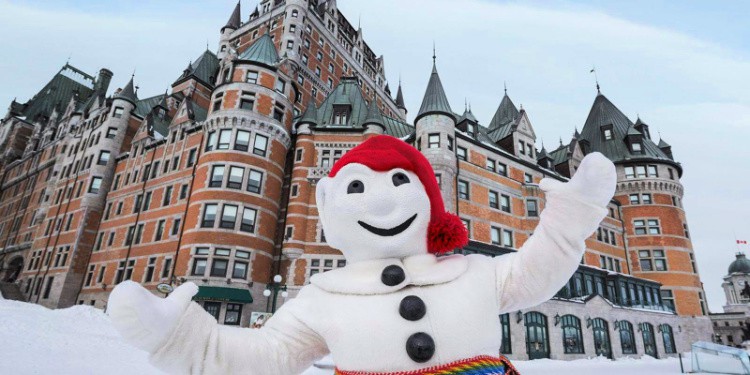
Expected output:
(381, 200)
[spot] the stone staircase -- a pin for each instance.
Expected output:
(11, 291)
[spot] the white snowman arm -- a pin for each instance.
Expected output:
(552, 254)
(284, 345)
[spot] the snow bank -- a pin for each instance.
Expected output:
(81, 340)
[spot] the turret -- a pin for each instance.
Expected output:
(374, 122)
(436, 136)
(400, 101)
(666, 148)
(233, 24)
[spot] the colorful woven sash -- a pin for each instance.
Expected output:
(481, 365)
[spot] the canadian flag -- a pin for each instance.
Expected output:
(741, 242)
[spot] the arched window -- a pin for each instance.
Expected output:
(627, 338)
(537, 344)
(649, 341)
(572, 336)
(668, 337)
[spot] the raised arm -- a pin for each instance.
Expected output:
(551, 255)
(182, 338)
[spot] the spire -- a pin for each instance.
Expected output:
(234, 19)
(434, 100)
(373, 115)
(311, 114)
(400, 97)
(262, 51)
(577, 135)
(128, 93)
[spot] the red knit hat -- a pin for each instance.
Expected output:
(383, 153)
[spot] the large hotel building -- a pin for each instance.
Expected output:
(214, 182)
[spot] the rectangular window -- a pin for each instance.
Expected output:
(96, 184)
(433, 141)
(219, 267)
(150, 270)
(228, 216)
(159, 230)
(242, 143)
(450, 143)
(236, 175)
(467, 225)
(183, 191)
(111, 133)
(147, 201)
(217, 176)
(532, 208)
(667, 299)
(502, 169)
(505, 203)
(211, 141)
(100, 276)
(103, 158)
(260, 145)
(507, 238)
(254, 181)
(527, 178)
(209, 215)
(463, 189)
(252, 77)
(629, 172)
(280, 86)
(652, 171)
(167, 196)
(494, 200)
(248, 220)
(233, 314)
(225, 137)
(491, 165)
(199, 267)
(176, 227)
(217, 102)
(239, 270)
(495, 235)
(461, 153)
(166, 268)
(191, 158)
(118, 112)
(646, 199)
(635, 199)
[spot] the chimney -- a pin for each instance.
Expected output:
(102, 81)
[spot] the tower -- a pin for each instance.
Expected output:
(232, 25)
(650, 193)
(435, 136)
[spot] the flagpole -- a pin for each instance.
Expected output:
(736, 241)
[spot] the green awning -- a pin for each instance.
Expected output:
(217, 293)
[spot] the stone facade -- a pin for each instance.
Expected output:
(214, 183)
(731, 326)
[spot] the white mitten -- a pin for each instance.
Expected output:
(143, 319)
(594, 182)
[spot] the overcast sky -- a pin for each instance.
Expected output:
(683, 66)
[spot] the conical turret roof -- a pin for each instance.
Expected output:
(434, 100)
(234, 20)
(506, 112)
(400, 98)
(128, 92)
(263, 51)
(311, 114)
(373, 115)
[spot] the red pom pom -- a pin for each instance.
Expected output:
(446, 234)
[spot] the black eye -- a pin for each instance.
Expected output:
(400, 179)
(355, 187)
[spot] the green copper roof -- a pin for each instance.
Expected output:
(663, 143)
(311, 114)
(739, 265)
(68, 83)
(506, 112)
(373, 114)
(234, 20)
(204, 69)
(434, 100)
(396, 127)
(604, 113)
(467, 116)
(144, 106)
(128, 92)
(263, 51)
(400, 98)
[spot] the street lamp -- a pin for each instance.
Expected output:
(274, 288)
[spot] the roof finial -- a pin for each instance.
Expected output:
(67, 62)
(466, 108)
(561, 142)
(359, 21)
(593, 70)
(433, 53)
(132, 75)
(505, 87)
(469, 106)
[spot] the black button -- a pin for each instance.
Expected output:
(420, 347)
(412, 308)
(393, 275)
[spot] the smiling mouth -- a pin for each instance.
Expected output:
(388, 232)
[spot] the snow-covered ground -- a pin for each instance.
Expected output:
(81, 340)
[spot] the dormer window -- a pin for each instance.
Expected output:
(470, 129)
(636, 147)
(340, 115)
(607, 133)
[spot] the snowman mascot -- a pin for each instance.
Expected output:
(393, 309)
